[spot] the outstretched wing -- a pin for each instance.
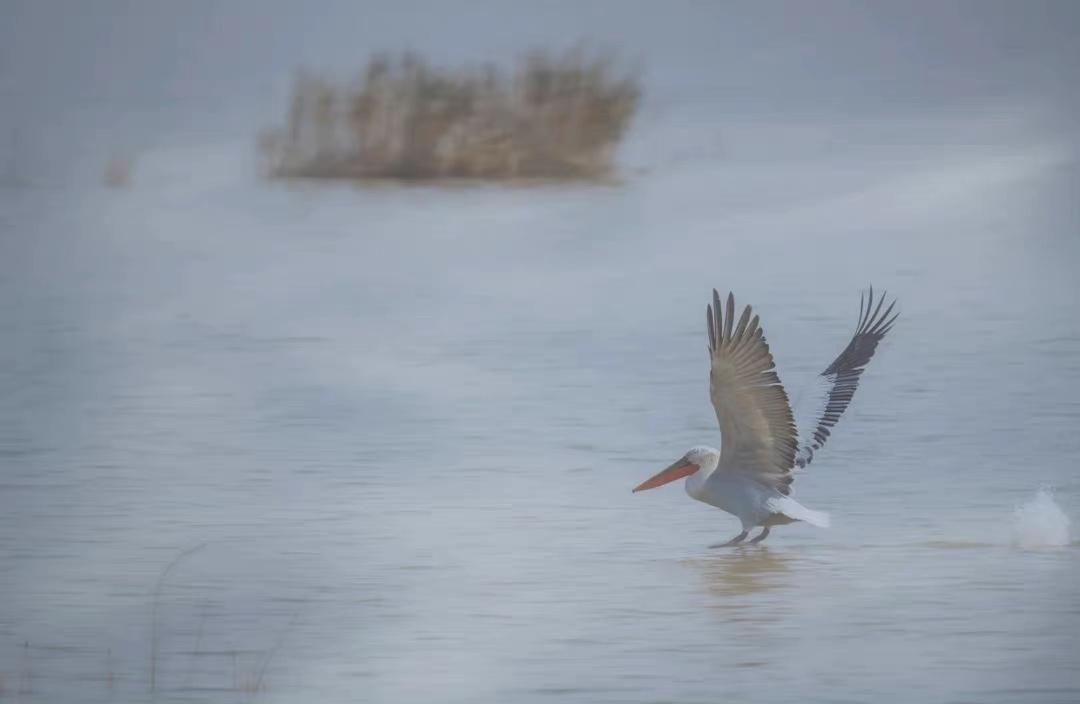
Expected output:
(756, 424)
(841, 378)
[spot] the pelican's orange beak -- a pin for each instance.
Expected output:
(682, 468)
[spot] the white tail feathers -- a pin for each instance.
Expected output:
(793, 509)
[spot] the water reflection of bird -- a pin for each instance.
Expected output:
(747, 572)
(751, 476)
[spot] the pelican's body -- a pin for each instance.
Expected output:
(753, 503)
(751, 476)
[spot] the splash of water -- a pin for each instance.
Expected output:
(1040, 523)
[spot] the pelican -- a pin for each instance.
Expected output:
(751, 476)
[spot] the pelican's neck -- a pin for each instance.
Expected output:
(707, 463)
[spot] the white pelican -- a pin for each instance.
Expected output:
(751, 476)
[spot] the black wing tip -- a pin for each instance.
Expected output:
(711, 326)
(721, 318)
(729, 316)
(871, 320)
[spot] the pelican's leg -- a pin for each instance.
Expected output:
(734, 541)
(760, 536)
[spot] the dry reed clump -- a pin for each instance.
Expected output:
(558, 117)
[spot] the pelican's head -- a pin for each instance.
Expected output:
(698, 459)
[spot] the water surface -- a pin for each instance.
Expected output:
(398, 428)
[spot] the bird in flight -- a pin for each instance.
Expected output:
(751, 476)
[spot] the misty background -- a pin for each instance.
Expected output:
(206, 71)
(398, 426)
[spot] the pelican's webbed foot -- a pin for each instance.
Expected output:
(734, 541)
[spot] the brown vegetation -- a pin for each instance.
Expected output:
(554, 117)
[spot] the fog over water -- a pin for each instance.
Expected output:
(396, 428)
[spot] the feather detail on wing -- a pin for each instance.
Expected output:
(840, 379)
(756, 424)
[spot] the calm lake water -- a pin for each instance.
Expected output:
(396, 429)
